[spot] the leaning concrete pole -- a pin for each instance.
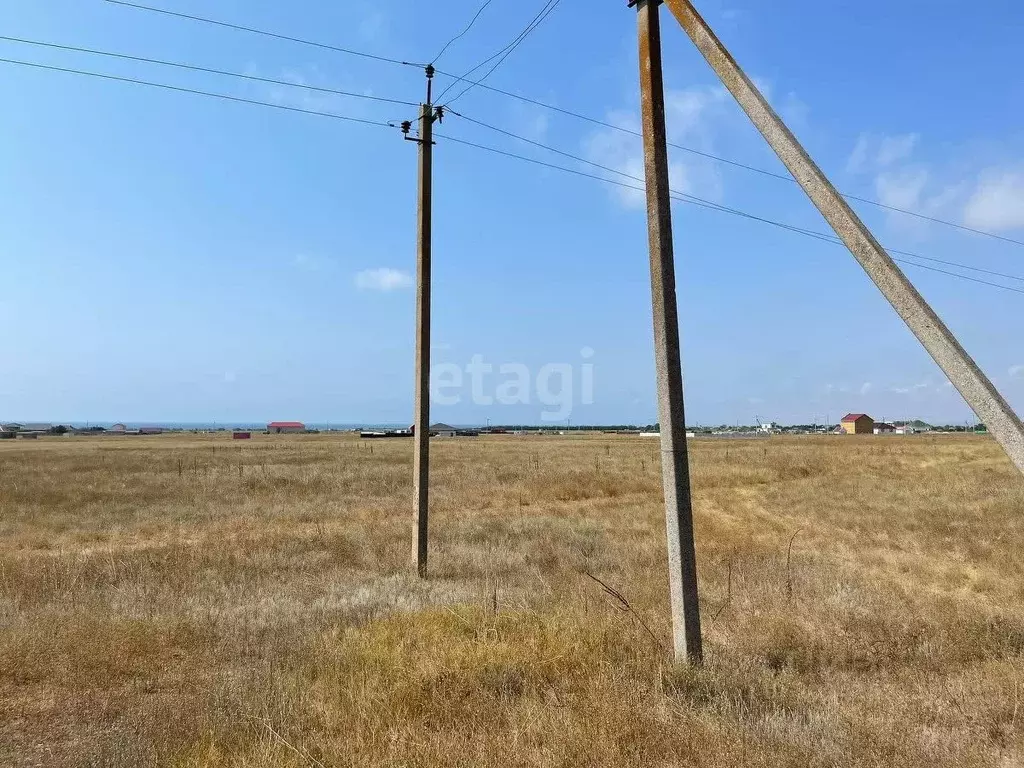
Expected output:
(940, 342)
(675, 468)
(421, 456)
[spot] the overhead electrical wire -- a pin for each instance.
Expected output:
(265, 33)
(698, 202)
(198, 92)
(677, 196)
(207, 70)
(504, 53)
(568, 112)
(609, 169)
(463, 32)
(733, 163)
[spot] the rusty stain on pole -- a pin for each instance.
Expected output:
(421, 457)
(675, 469)
(940, 342)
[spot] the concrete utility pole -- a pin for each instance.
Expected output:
(675, 468)
(421, 422)
(940, 342)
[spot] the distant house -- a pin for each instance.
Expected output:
(151, 430)
(882, 428)
(119, 428)
(241, 435)
(443, 430)
(284, 427)
(857, 424)
(25, 430)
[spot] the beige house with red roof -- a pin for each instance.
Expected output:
(857, 424)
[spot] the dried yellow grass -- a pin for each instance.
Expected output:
(187, 601)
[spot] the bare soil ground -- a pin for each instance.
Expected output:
(190, 601)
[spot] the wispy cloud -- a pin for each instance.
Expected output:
(997, 201)
(875, 153)
(990, 199)
(912, 388)
(307, 79)
(383, 279)
(691, 116)
(1016, 370)
(866, 387)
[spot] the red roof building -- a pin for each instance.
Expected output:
(279, 427)
(857, 424)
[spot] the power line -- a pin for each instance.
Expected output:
(680, 197)
(716, 206)
(725, 160)
(510, 51)
(197, 92)
(561, 110)
(504, 53)
(265, 33)
(463, 32)
(208, 70)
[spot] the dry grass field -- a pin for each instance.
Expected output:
(190, 601)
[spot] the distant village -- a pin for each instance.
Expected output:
(850, 424)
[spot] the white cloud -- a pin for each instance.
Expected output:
(903, 182)
(383, 279)
(991, 200)
(902, 189)
(875, 153)
(691, 116)
(530, 121)
(997, 202)
(624, 153)
(858, 159)
(892, 149)
(911, 388)
(1016, 370)
(308, 78)
(865, 387)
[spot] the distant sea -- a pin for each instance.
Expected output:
(323, 426)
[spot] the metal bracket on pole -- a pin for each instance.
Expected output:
(933, 334)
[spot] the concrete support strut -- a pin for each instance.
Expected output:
(675, 469)
(940, 342)
(421, 457)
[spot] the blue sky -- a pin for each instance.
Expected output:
(168, 257)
